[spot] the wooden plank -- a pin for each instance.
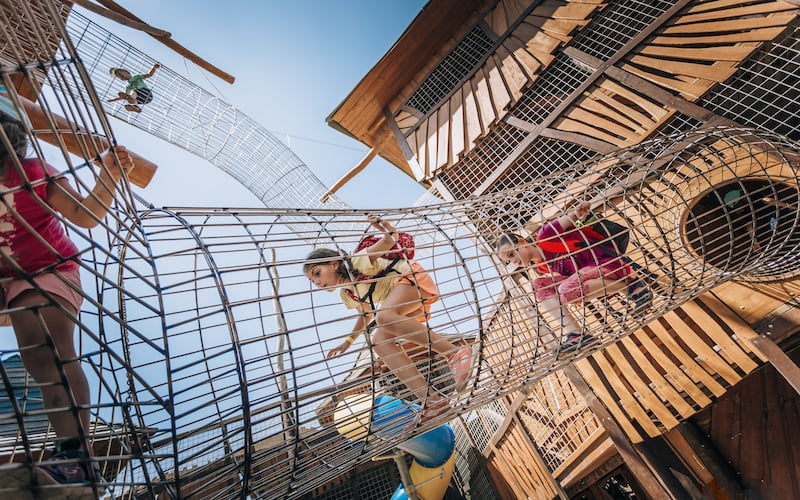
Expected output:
(653, 108)
(640, 122)
(512, 73)
(691, 90)
(500, 96)
(720, 53)
(625, 398)
(555, 9)
(433, 141)
(742, 332)
(406, 120)
(457, 132)
(754, 35)
(514, 10)
(529, 64)
(689, 365)
(561, 30)
(661, 386)
(614, 427)
(730, 25)
(472, 120)
(580, 139)
(571, 125)
(483, 98)
(584, 113)
(608, 108)
(642, 390)
(497, 19)
(443, 156)
(705, 460)
(750, 10)
(712, 328)
(704, 71)
(542, 46)
(421, 141)
(610, 403)
(703, 352)
(712, 5)
(672, 373)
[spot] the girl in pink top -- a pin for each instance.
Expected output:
(37, 256)
(575, 265)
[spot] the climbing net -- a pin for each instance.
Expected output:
(205, 344)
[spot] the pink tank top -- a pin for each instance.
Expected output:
(16, 241)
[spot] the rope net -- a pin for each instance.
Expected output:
(205, 344)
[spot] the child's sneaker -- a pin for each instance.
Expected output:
(575, 341)
(639, 297)
(70, 467)
(460, 364)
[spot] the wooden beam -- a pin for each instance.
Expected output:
(408, 153)
(62, 133)
(169, 42)
(778, 359)
(355, 170)
(710, 457)
(121, 19)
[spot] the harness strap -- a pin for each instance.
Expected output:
(368, 296)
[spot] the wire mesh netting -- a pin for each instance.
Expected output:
(212, 352)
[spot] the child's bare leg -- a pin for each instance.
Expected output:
(396, 317)
(550, 304)
(558, 314)
(386, 347)
(590, 283)
(40, 361)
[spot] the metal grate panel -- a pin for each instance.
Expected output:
(449, 73)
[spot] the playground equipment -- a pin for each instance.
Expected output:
(359, 418)
(205, 343)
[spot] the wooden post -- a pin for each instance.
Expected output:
(355, 170)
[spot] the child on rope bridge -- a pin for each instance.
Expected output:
(398, 293)
(136, 91)
(36, 256)
(577, 266)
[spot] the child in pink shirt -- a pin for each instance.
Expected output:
(40, 282)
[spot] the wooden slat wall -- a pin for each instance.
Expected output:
(702, 46)
(557, 418)
(453, 129)
(671, 368)
(513, 459)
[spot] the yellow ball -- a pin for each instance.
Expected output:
(353, 416)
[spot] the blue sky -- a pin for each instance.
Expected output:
(294, 62)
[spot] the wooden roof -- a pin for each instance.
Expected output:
(362, 110)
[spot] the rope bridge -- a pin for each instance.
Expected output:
(205, 343)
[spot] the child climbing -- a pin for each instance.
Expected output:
(137, 93)
(41, 286)
(577, 266)
(398, 294)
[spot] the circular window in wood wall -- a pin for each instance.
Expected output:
(747, 221)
